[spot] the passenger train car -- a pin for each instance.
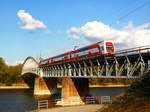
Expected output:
(99, 48)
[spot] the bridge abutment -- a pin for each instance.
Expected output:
(73, 90)
(45, 86)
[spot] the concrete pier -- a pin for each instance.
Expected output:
(72, 90)
(45, 86)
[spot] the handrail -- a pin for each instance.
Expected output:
(141, 48)
(71, 100)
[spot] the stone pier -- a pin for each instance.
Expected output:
(73, 90)
(45, 86)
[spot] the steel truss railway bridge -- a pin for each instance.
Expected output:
(127, 63)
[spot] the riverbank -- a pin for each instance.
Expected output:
(106, 85)
(14, 86)
(110, 85)
(135, 99)
(80, 108)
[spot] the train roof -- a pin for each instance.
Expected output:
(90, 45)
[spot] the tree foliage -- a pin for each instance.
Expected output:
(3, 70)
(9, 74)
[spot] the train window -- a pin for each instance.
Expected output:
(65, 57)
(86, 52)
(92, 50)
(110, 47)
(95, 50)
(80, 53)
(148, 62)
(102, 48)
(73, 55)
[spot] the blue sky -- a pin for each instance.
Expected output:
(66, 23)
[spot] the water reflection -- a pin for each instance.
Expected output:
(106, 91)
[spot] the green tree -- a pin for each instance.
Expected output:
(13, 74)
(3, 70)
(9, 74)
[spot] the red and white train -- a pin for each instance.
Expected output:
(99, 48)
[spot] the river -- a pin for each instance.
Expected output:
(24, 100)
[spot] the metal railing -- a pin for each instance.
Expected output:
(42, 104)
(70, 101)
(141, 49)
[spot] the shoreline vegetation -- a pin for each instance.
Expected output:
(104, 85)
(110, 85)
(14, 86)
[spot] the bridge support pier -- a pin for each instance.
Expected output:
(73, 90)
(45, 86)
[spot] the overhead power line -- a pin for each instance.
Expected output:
(132, 11)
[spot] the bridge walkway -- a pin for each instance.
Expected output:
(80, 108)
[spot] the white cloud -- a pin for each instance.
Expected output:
(48, 31)
(128, 36)
(15, 63)
(28, 22)
(73, 36)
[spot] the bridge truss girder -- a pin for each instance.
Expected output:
(126, 66)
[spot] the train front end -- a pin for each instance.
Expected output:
(109, 48)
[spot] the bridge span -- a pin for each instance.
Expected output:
(127, 63)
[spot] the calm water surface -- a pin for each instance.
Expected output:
(24, 100)
(16, 100)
